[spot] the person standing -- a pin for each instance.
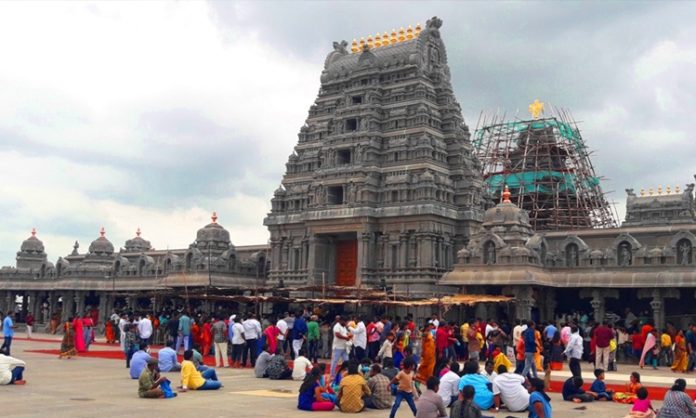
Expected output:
(359, 339)
(183, 333)
(339, 347)
(252, 331)
(313, 338)
(603, 335)
(7, 333)
(29, 321)
(122, 328)
(145, 329)
(172, 329)
(283, 334)
(574, 351)
(220, 341)
(238, 342)
(372, 339)
(530, 348)
(299, 334)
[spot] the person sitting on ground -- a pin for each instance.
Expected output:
(449, 384)
(262, 362)
(631, 390)
(150, 381)
(642, 407)
(600, 388)
(167, 360)
(301, 365)
(508, 388)
(465, 407)
(677, 404)
(11, 370)
(191, 379)
(572, 391)
(429, 404)
(310, 397)
(483, 396)
(379, 384)
(500, 359)
(539, 401)
(278, 368)
(488, 371)
(139, 361)
(388, 368)
(352, 390)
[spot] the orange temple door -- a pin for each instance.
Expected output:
(346, 262)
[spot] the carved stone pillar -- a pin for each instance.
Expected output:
(403, 251)
(103, 308)
(68, 305)
(80, 301)
(52, 303)
(658, 313)
(550, 304)
(597, 305)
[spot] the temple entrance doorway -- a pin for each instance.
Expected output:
(336, 259)
(346, 262)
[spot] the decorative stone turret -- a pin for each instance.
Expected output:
(31, 254)
(137, 244)
(213, 238)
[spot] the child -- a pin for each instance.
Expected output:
(405, 389)
(631, 390)
(386, 350)
(642, 404)
(600, 388)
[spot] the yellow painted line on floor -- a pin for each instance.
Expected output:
(266, 393)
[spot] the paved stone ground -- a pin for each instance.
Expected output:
(90, 387)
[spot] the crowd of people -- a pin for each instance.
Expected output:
(381, 362)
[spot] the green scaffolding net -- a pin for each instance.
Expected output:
(540, 182)
(564, 129)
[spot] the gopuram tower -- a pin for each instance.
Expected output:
(382, 187)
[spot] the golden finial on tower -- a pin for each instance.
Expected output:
(378, 40)
(369, 42)
(668, 190)
(642, 192)
(659, 190)
(536, 109)
(650, 191)
(418, 29)
(506, 195)
(354, 46)
(393, 39)
(409, 33)
(362, 43)
(402, 34)
(676, 189)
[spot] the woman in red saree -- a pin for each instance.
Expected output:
(427, 364)
(271, 333)
(79, 335)
(206, 338)
(109, 332)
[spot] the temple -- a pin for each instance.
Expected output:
(385, 190)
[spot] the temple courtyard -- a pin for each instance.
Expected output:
(95, 386)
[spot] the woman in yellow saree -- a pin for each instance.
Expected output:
(427, 361)
(681, 359)
(67, 346)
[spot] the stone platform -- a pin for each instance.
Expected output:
(89, 387)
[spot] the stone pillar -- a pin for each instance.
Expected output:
(597, 301)
(80, 303)
(103, 308)
(597, 304)
(658, 313)
(37, 305)
(8, 303)
(550, 304)
(311, 261)
(403, 251)
(52, 303)
(68, 305)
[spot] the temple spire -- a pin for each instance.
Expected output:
(137, 233)
(102, 232)
(33, 232)
(214, 217)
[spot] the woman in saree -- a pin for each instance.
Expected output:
(206, 337)
(67, 346)
(681, 358)
(109, 332)
(539, 347)
(647, 349)
(271, 334)
(427, 364)
(79, 335)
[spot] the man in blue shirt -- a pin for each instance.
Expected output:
(299, 332)
(139, 361)
(8, 333)
(550, 331)
(167, 360)
(530, 349)
(184, 332)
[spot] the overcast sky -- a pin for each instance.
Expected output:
(154, 114)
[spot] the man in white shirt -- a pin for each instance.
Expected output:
(145, 329)
(433, 320)
(359, 339)
(574, 351)
(122, 330)
(252, 331)
(340, 342)
(282, 326)
(508, 388)
(449, 385)
(517, 332)
(301, 366)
